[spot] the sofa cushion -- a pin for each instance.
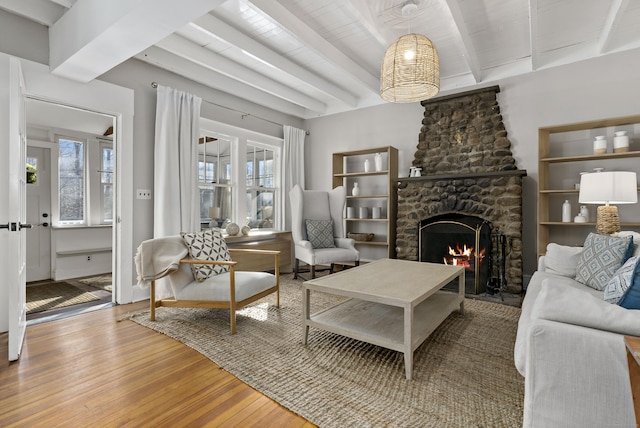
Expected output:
(572, 306)
(207, 245)
(320, 233)
(622, 280)
(636, 240)
(601, 257)
(562, 260)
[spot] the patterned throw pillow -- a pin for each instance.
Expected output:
(601, 257)
(207, 245)
(320, 233)
(622, 280)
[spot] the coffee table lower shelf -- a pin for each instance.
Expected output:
(383, 324)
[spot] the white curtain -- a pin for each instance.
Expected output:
(176, 195)
(292, 167)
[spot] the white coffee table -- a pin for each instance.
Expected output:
(395, 304)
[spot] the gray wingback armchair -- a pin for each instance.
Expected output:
(315, 205)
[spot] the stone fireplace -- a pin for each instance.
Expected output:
(468, 171)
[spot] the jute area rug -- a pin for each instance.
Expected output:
(463, 373)
(54, 295)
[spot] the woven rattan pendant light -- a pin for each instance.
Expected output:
(410, 68)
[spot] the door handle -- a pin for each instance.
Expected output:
(14, 227)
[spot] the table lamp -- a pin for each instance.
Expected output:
(611, 187)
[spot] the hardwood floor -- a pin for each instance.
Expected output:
(95, 370)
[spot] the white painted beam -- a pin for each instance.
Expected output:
(205, 76)
(360, 10)
(42, 11)
(533, 34)
(206, 58)
(465, 39)
(613, 19)
(65, 3)
(301, 31)
(96, 35)
(223, 31)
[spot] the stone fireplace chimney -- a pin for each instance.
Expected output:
(467, 169)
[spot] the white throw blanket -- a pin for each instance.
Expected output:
(159, 257)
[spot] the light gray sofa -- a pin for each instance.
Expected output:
(570, 349)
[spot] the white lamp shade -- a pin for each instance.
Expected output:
(214, 212)
(611, 187)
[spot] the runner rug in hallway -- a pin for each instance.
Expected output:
(54, 295)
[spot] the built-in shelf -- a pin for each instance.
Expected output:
(564, 146)
(377, 189)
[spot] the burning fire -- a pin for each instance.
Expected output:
(463, 256)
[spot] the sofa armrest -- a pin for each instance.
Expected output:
(573, 306)
(576, 377)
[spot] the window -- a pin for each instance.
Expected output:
(85, 166)
(261, 186)
(239, 177)
(214, 176)
(107, 163)
(71, 181)
(32, 170)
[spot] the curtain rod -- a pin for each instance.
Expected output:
(243, 114)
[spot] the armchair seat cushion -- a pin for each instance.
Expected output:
(324, 256)
(216, 288)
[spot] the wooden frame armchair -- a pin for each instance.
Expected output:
(229, 290)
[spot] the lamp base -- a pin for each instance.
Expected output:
(608, 221)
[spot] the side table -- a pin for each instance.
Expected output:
(633, 357)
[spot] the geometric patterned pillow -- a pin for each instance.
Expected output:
(601, 257)
(631, 297)
(622, 280)
(207, 245)
(320, 233)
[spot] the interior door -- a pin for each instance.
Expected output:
(13, 235)
(39, 215)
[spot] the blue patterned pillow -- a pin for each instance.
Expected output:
(631, 298)
(622, 280)
(207, 245)
(320, 233)
(601, 257)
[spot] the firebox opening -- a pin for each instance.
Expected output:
(461, 240)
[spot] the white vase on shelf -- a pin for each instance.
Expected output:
(378, 161)
(600, 145)
(356, 190)
(566, 212)
(620, 142)
(367, 165)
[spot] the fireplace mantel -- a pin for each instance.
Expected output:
(516, 172)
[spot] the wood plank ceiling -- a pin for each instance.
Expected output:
(310, 58)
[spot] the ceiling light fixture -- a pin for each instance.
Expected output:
(410, 67)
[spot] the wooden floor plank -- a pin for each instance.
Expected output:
(96, 369)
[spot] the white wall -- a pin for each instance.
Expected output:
(599, 88)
